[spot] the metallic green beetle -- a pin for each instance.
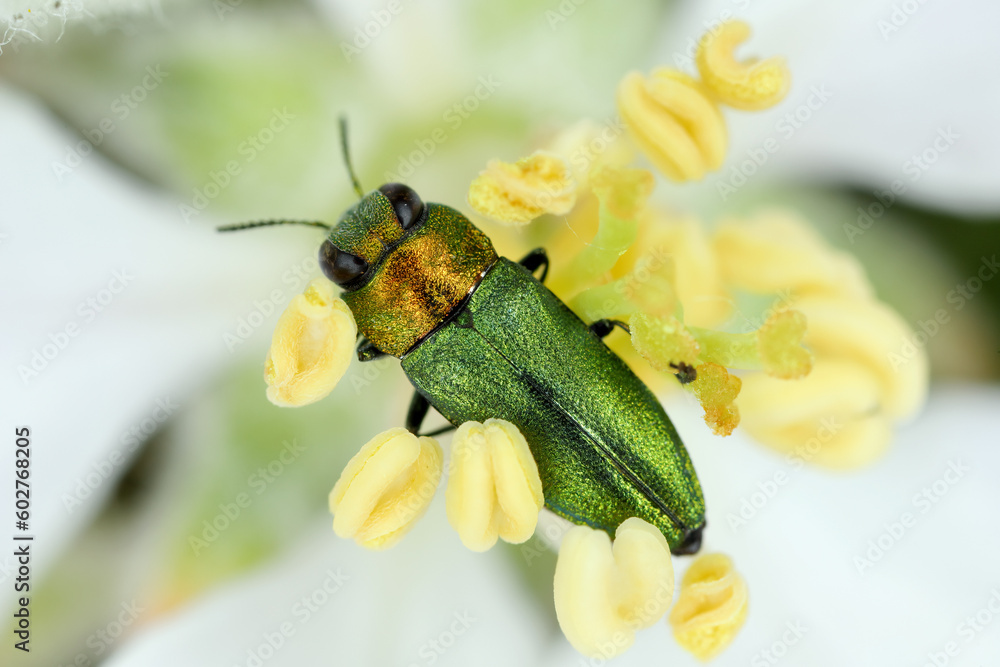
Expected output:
(480, 337)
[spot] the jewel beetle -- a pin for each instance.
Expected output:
(480, 336)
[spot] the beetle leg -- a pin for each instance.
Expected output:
(602, 328)
(418, 410)
(415, 416)
(535, 259)
(439, 431)
(685, 373)
(367, 350)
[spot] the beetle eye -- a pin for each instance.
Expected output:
(339, 266)
(405, 202)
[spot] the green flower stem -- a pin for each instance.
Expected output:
(614, 236)
(728, 349)
(603, 302)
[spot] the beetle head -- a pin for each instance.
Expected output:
(403, 265)
(368, 232)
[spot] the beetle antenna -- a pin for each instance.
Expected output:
(268, 223)
(347, 158)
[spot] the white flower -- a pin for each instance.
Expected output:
(878, 98)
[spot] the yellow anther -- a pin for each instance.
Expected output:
(871, 333)
(779, 345)
(311, 347)
(717, 390)
(385, 488)
(841, 415)
(493, 488)
(748, 85)
(674, 122)
(711, 607)
(520, 192)
(604, 593)
(777, 251)
(831, 417)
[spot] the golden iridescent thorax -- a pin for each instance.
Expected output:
(405, 265)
